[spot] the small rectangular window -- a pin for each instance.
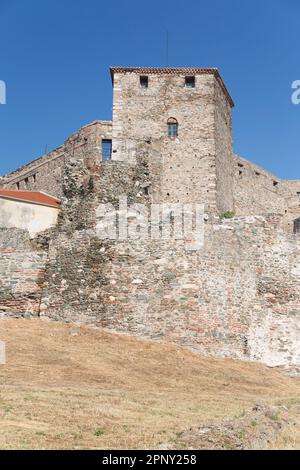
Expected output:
(298, 194)
(106, 149)
(190, 82)
(26, 181)
(172, 129)
(144, 81)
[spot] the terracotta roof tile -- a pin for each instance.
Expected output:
(35, 197)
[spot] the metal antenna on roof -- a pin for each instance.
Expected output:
(167, 48)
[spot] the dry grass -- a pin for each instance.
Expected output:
(288, 440)
(66, 387)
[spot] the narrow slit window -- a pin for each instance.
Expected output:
(144, 81)
(106, 149)
(297, 225)
(172, 127)
(190, 82)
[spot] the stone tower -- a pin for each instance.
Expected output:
(182, 118)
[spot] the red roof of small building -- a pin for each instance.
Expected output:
(33, 197)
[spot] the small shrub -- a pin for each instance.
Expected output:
(227, 215)
(228, 446)
(99, 432)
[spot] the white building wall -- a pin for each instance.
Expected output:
(32, 217)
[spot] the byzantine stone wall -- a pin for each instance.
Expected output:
(238, 296)
(46, 173)
(257, 191)
(22, 274)
(188, 162)
(292, 188)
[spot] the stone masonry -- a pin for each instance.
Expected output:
(22, 274)
(46, 173)
(189, 164)
(237, 296)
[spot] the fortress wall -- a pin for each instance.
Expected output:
(238, 296)
(22, 274)
(257, 191)
(292, 188)
(274, 334)
(46, 173)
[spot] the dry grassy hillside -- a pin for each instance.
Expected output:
(70, 387)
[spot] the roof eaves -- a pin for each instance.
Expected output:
(176, 70)
(28, 201)
(50, 201)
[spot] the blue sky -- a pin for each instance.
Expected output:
(54, 58)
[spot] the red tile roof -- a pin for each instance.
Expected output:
(174, 71)
(34, 197)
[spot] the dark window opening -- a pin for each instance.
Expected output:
(190, 82)
(144, 81)
(26, 181)
(298, 193)
(106, 149)
(275, 183)
(297, 225)
(257, 173)
(34, 178)
(18, 186)
(172, 127)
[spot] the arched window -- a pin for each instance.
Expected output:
(172, 127)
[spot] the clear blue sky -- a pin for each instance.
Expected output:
(55, 54)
